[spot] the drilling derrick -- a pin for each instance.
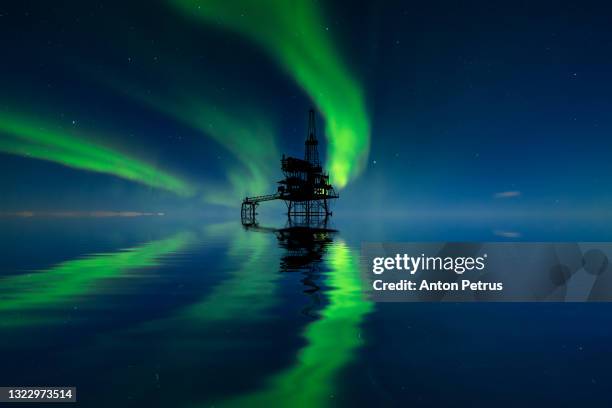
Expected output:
(306, 189)
(312, 144)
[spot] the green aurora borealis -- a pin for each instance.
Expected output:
(250, 139)
(292, 33)
(249, 136)
(24, 136)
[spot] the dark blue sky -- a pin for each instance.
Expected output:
(465, 101)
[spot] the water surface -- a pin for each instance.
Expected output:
(159, 312)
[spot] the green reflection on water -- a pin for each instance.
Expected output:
(249, 291)
(246, 294)
(40, 291)
(331, 341)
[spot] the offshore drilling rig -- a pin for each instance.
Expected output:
(305, 189)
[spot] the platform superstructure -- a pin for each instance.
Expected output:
(306, 189)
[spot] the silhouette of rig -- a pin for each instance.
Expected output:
(305, 189)
(304, 251)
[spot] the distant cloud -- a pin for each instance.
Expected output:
(507, 194)
(507, 234)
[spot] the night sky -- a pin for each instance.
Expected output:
(186, 105)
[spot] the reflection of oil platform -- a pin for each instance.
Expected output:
(305, 189)
(305, 250)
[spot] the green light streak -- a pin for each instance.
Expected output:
(246, 295)
(252, 142)
(231, 118)
(331, 342)
(40, 291)
(249, 291)
(25, 137)
(293, 33)
(248, 137)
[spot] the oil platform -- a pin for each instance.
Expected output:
(306, 189)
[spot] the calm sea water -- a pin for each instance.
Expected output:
(194, 313)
